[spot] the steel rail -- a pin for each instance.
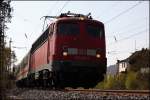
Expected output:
(136, 92)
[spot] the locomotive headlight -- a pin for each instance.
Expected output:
(65, 53)
(98, 55)
(81, 18)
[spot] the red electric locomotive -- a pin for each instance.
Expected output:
(70, 53)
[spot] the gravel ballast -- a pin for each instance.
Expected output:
(41, 94)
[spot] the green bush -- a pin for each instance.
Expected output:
(101, 85)
(109, 83)
(120, 81)
(112, 82)
(143, 80)
(131, 81)
(137, 80)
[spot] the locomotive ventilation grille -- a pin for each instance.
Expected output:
(83, 52)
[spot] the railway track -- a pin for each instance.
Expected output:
(78, 94)
(112, 92)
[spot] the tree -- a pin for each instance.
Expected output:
(4, 17)
(139, 59)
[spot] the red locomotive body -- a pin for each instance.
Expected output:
(71, 52)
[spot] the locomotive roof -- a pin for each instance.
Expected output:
(77, 18)
(73, 16)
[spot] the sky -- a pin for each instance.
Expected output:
(126, 24)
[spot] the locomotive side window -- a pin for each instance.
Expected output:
(68, 29)
(95, 31)
(40, 40)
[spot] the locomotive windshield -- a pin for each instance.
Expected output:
(95, 31)
(68, 29)
(72, 28)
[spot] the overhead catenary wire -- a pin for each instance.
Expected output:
(49, 13)
(63, 7)
(106, 11)
(55, 10)
(128, 37)
(52, 8)
(133, 35)
(125, 11)
(133, 23)
(39, 23)
(129, 31)
(133, 29)
(23, 18)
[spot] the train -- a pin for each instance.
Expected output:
(71, 52)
